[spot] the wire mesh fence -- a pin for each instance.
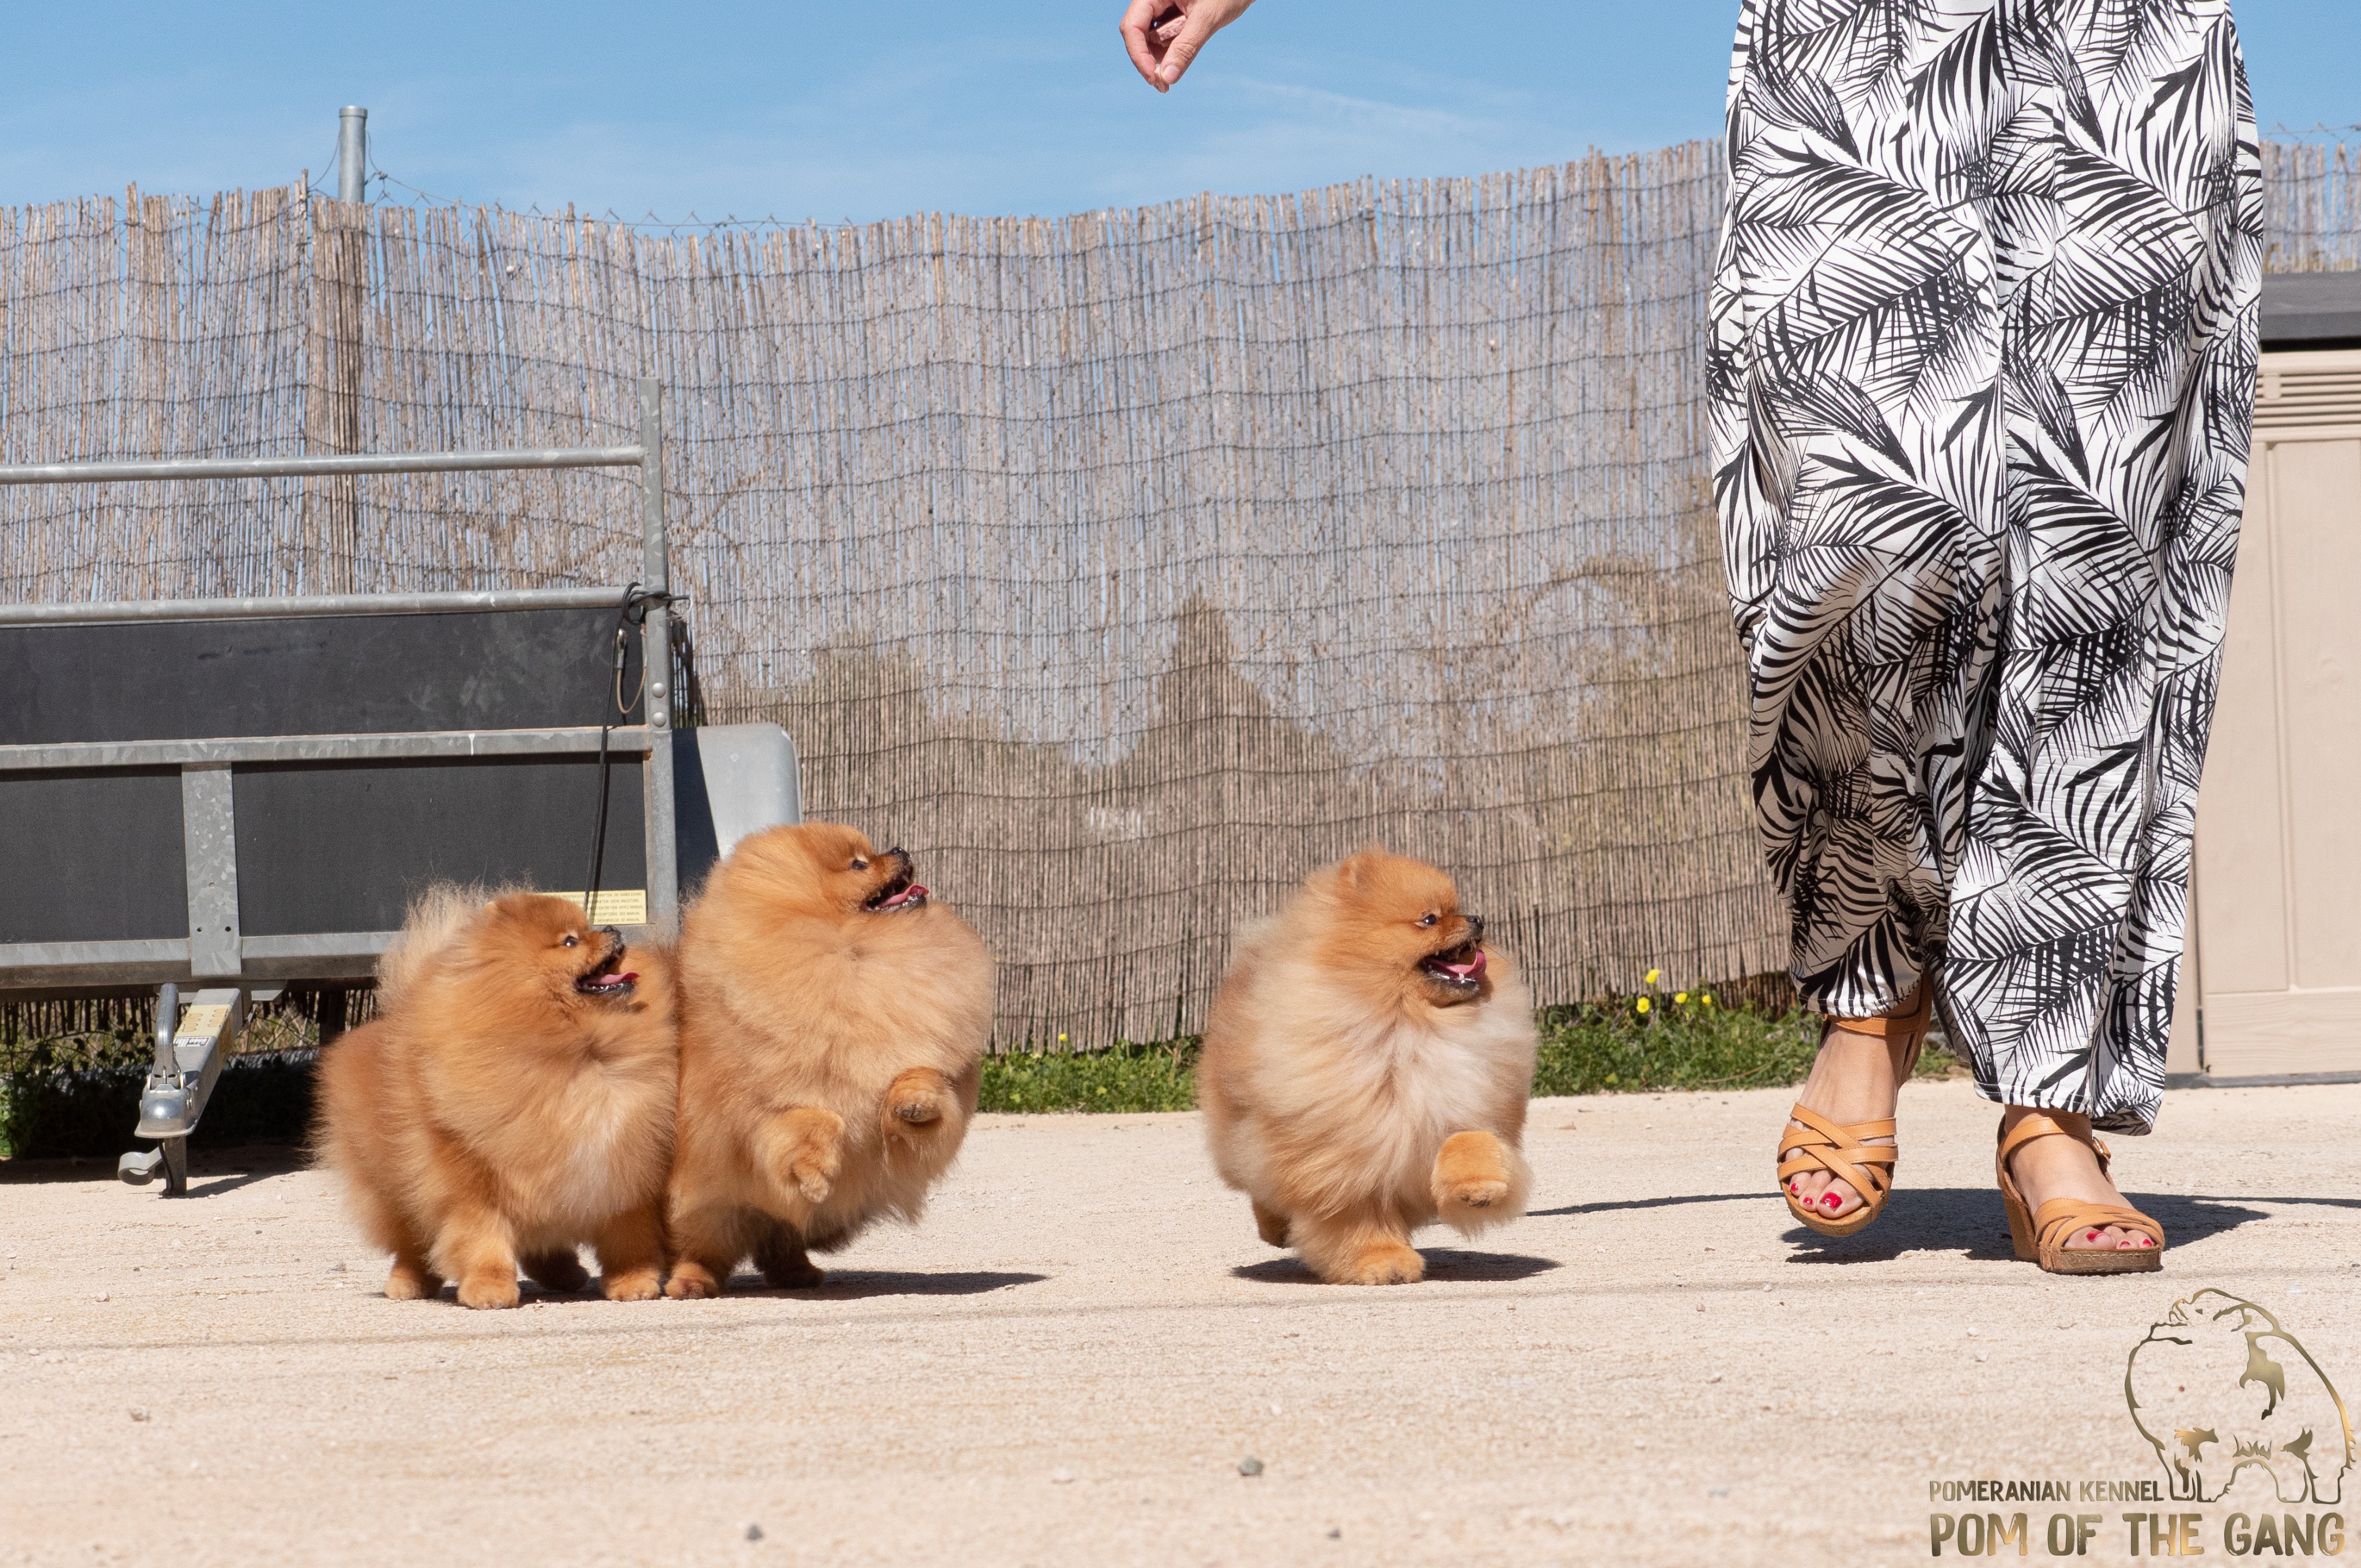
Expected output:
(1124, 566)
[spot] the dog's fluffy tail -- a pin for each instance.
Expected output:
(435, 919)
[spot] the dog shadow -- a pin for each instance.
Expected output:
(1448, 1266)
(1971, 1222)
(860, 1285)
(852, 1285)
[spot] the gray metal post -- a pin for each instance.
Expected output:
(351, 154)
(655, 662)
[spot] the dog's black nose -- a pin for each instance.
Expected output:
(611, 931)
(1477, 922)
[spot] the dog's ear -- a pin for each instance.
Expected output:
(1355, 870)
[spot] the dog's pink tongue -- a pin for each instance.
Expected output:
(1472, 970)
(917, 890)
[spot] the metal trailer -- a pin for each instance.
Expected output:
(238, 794)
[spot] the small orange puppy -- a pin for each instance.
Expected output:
(513, 1100)
(833, 1022)
(1366, 1069)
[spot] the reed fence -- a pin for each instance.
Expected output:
(1125, 565)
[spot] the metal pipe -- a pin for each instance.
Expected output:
(49, 756)
(288, 467)
(655, 664)
(323, 604)
(351, 154)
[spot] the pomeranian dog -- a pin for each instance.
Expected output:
(833, 1021)
(513, 1100)
(1366, 1068)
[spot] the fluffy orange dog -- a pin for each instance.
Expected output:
(1366, 1069)
(833, 1023)
(513, 1100)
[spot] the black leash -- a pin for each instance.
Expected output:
(634, 612)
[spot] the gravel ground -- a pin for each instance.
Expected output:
(1069, 1362)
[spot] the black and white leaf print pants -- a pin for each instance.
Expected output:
(1984, 367)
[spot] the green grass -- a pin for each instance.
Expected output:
(78, 1094)
(1161, 1076)
(1679, 1040)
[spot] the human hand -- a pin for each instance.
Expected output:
(1163, 36)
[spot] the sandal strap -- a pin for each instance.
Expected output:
(1823, 1130)
(1839, 1149)
(2039, 1126)
(1886, 1025)
(2057, 1219)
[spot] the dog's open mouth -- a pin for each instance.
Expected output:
(899, 894)
(1460, 968)
(610, 978)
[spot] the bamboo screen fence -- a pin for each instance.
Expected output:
(1125, 566)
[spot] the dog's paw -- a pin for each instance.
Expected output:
(802, 1274)
(411, 1283)
(918, 1104)
(632, 1285)
(1475, 1175)
(1479, 1194)
(813, 1173)
(691, 1282)
(1270, 1225)
(1386, 1262)
(785, 1264)
(489, 1292)
(812, 1151)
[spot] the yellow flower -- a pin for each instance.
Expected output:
(1706, 999)
(1681, 996)
(1061, 1039)
(1652, 977)
(1643, 1004)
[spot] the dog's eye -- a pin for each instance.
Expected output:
(1427, 918)
(859, 864)
(572, 940)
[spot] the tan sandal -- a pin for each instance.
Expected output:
(1843, 1149)
(2041, 1237)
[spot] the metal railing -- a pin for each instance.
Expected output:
(205, 761)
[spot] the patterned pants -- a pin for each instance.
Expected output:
(1984, 368)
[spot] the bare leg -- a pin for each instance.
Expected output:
(1856, 1078)
(2043, 1169)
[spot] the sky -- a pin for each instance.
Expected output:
(876, 108)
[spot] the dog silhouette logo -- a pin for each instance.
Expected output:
(2218, 1387)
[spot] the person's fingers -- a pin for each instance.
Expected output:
(1138, 18)
(1195, 28)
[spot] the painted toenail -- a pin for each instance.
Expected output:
(1831, 1199)
(2092, 1237)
